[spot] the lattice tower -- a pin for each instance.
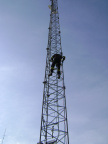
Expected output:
(54, 125)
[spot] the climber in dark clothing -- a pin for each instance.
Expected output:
(56, 60)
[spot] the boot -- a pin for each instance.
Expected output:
(50, 74)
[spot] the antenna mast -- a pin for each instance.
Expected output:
(3, 136)
(54, 124)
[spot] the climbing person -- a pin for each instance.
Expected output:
(56, 60)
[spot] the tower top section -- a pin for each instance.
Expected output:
(54, 37)
(54, 6)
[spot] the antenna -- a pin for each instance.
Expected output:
(54, 124)
(3, 136)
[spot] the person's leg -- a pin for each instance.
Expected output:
(58, 70)
(52, 68)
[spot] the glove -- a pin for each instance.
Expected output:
(63, 58)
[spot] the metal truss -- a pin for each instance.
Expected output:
(54, 125)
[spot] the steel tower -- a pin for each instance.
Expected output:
(54, 125)
(3, 136)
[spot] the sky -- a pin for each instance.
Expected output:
(23, 41)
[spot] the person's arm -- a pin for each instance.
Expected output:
(52, 58)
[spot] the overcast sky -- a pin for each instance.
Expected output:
(23, 41)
